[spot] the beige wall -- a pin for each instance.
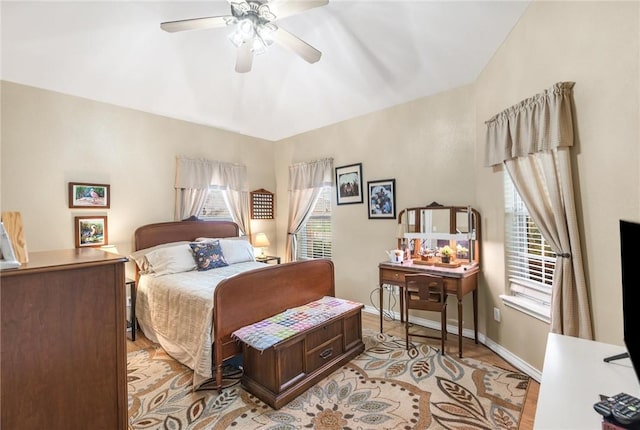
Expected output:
(50, 139)
(426, 145)
(433, 147)
(596, 45)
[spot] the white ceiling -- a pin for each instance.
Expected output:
(376, 54)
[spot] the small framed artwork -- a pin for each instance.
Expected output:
(87, 196)
(349, 184)
(91, 231)
(382, 199)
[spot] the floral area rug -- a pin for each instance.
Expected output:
(386, 387)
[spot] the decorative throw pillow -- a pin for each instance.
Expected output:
(208, 255)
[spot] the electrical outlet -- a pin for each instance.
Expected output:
(496, 314)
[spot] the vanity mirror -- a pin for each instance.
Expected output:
(424, 230)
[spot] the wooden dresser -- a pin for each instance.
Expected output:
(62, 342)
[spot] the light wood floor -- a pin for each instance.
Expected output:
(469, 348)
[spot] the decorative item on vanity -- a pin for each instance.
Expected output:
(261, 241)
(445, 254)
(396, 255)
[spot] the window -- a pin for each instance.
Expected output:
(529, 260)
(215, 207)
(314, 239)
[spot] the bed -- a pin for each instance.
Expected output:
(210, 305)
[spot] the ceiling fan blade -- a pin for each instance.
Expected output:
(245, 57)
(197, 23)
(283, 8)
(299, 46)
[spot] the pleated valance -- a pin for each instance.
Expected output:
(314, 174)
(202, 174)
(539, 123)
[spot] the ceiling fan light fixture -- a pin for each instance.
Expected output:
(265, 33)
(259, 47)
(244, 32)
(255, 29)
(247, 28)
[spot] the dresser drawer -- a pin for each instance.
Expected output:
(323, 333)
(319, 356)
(391, 275)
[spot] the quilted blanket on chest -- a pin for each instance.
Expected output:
(268, 332)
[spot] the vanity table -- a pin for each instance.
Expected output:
(433, 227)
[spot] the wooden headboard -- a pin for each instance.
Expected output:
(165, 232)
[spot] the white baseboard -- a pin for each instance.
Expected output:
(507, 355)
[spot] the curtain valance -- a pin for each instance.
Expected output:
(202, 174)
(313, 174)
(539, 123)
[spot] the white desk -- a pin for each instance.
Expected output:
(573, 376)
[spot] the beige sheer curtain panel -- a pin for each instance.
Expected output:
(533, 140)
(195, 176)
(306, 181)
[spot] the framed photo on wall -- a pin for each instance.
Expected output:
(382, 199)
(91, 231)
(349, 184)
(88, 196)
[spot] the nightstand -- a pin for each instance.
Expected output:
(268, 258)
(132, 323)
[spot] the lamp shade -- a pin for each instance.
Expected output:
(260, 240)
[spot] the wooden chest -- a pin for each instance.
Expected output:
(281, 373)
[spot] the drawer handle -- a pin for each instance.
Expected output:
(326, 353)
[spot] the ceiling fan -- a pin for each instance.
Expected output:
(255, 28)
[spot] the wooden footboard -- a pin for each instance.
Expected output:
(252, 296)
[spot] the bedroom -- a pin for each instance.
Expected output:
(49, 139)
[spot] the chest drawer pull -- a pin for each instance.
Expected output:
(326, 353)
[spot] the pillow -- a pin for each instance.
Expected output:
(140, 256)
(173, 259)
(208, 255)
(234, 249)
(237, 250)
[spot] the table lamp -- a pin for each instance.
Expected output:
(261, 241)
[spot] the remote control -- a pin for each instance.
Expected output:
(627, 410)
(622, 407)
(603, 407)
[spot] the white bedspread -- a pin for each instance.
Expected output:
(176, 311)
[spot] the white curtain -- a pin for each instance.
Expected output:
(306, 181)
(195, 176)
(533, 140)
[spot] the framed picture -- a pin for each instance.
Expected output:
(382, 199)
(87, 196)
(349, 184)
(91, 231)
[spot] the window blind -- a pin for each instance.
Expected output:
(314, 239)
(215, 207)
(530, 263)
